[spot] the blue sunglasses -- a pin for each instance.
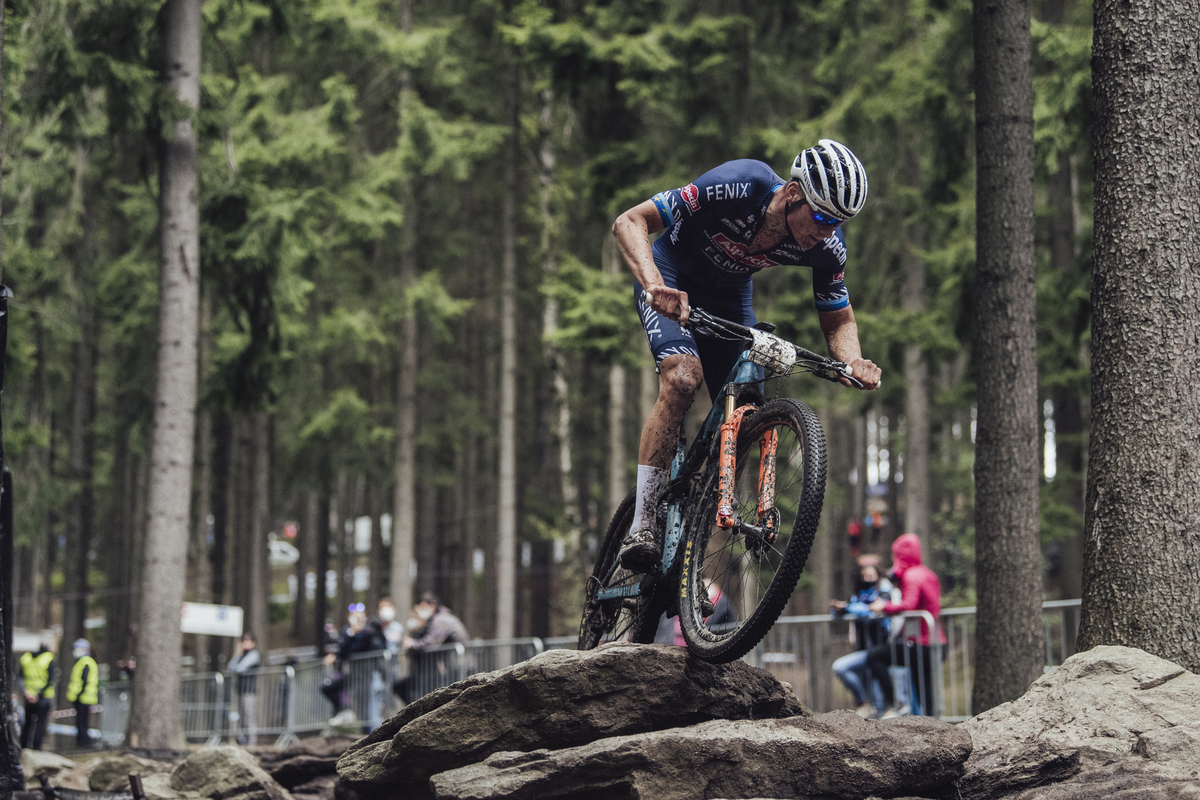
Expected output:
(821, 218)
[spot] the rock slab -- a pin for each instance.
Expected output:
(560, 698)
(1109, 720)
(837, 756)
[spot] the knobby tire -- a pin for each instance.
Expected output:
(757, 576)
(633, 619)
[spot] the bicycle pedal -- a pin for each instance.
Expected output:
(707, 608)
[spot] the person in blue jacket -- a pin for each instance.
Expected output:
(869, 630)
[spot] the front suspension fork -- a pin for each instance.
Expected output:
(727, 470)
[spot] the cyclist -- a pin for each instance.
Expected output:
(731, 222)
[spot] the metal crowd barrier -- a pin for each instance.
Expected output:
(283, 702)
(801, 651)
(311, 697)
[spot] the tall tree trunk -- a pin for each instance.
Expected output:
(506, 544)
(617, 480)
(378, 573)
(241, 504)
(118, 545)
(1008, 565)
(221, 499)
(38, 468)
(306, 542)
(405, 504)
(1143, 492)
(200, 573)
(560, 410)
(342, 530)
(157, 718)
(324, 524)
(81, 438)
(260, 584)
(918, 501)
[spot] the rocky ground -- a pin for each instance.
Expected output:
(630, 721)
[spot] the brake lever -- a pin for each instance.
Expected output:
(834, 372)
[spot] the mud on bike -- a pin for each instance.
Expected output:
(737, 516)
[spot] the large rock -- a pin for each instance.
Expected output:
(226, 773)
(111, 774)
(308, 766)
(1107, 705)
(36, 763)
(1126, 779)
(834, 756)
(559, 699)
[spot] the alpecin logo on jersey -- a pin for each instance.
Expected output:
(737, 251)
(691, 196)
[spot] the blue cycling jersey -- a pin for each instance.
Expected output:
(711, 223)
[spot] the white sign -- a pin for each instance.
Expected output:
(211, 620)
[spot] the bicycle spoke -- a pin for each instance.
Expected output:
(754, 564)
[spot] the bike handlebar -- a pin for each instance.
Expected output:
(703, 323)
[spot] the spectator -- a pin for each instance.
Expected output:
(431, 664)
(83, 691)
(40, 672)
(128, 667)
(868, 631)
(391, 629)
(919, 591)
(357, 638)
(245, 665)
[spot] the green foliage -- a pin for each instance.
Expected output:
(598, 316)
(333, 143)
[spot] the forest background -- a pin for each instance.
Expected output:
(412, 309)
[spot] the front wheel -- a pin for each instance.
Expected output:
(629, 615)
(737, 580)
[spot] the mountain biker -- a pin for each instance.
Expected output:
(730, 223)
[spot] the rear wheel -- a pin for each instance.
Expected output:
(629, 618)
(737, 580)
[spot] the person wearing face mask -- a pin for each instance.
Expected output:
(432, 664)
(356, 639)
(83, 691)
(390, 629)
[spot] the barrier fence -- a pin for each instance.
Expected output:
(279, 703)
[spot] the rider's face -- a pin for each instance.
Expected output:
(807, 233)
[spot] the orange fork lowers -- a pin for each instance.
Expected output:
(727, 471)
(727, 467)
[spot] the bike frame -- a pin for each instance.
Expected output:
(707, 441)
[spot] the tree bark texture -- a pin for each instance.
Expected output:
(1008, 556)
(404, 520)
(260, 583)
(918, 491)
(506, 544)
(1142, 561)
(80, 466)
(157, 719)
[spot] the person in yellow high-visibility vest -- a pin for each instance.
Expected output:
(39, 672)
(83, 690)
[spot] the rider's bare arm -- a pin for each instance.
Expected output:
(841, 336)
(632, 231)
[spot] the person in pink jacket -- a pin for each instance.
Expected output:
(919, 591)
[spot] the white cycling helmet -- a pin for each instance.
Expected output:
(832, 178)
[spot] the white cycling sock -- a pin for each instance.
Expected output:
(650, 482)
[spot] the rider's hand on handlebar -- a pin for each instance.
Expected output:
(867, 372)
(671, 303)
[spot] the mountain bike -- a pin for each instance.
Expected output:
(755, 465)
